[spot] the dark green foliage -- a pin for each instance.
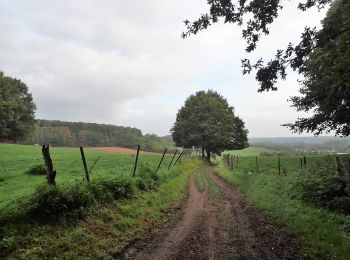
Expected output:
(326, 87)
(38, 169)
(16, 109)
(48, 203)
(147, 179)
(206, 120)
(321, 185)
(68, 201)
(116, 188)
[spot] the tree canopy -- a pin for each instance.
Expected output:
(17, 109)
(325, 91)
(325, 88)
(206, 120)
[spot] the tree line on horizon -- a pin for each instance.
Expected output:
(62, 133)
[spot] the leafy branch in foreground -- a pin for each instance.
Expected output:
(322, 57)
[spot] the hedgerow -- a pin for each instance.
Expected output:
(69, 201)
(324, 186)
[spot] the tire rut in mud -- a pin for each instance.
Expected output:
(252, 234)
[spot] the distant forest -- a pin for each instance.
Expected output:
(62, 133)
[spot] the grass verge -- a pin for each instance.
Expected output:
(105, 231)
(200, 181)
(214, 192)
(322, 234)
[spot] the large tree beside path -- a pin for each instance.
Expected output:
(207, 120)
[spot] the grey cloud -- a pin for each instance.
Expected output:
(123, 62)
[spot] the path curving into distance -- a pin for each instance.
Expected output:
(216, 222)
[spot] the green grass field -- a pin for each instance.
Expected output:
(15, 160)
(250, 160)
(251, 151)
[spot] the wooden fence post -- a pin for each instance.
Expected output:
(161, 160)
(301, 162)
(50, 172)
(279, 165)
(337, 165)
(178, 158)
(231, 162)
(172, 160)
(84, 163)
(257, 165)
(136, 159)
(237, 162)
(184, 156)
(304, 160)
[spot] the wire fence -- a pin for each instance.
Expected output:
(283, 165)
(69, 164)
(17, 178)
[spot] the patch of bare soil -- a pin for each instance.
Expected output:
(227, 227)
(120, 150)
(186, 238)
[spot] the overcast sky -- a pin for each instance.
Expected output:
(124, 63)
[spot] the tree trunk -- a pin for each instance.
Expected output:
(203, 151)
(208, 155)
(50, 172)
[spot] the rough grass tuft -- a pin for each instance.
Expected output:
(38, 169)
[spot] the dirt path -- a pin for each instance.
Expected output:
(217, 223)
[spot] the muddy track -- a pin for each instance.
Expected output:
(217, 225)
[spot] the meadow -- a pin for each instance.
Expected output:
(16, 160)
(255, 160)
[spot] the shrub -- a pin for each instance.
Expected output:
(69, 201)
(321, 185)
(147, 179)
(123, 187)
(38, 169)
(48, 203)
